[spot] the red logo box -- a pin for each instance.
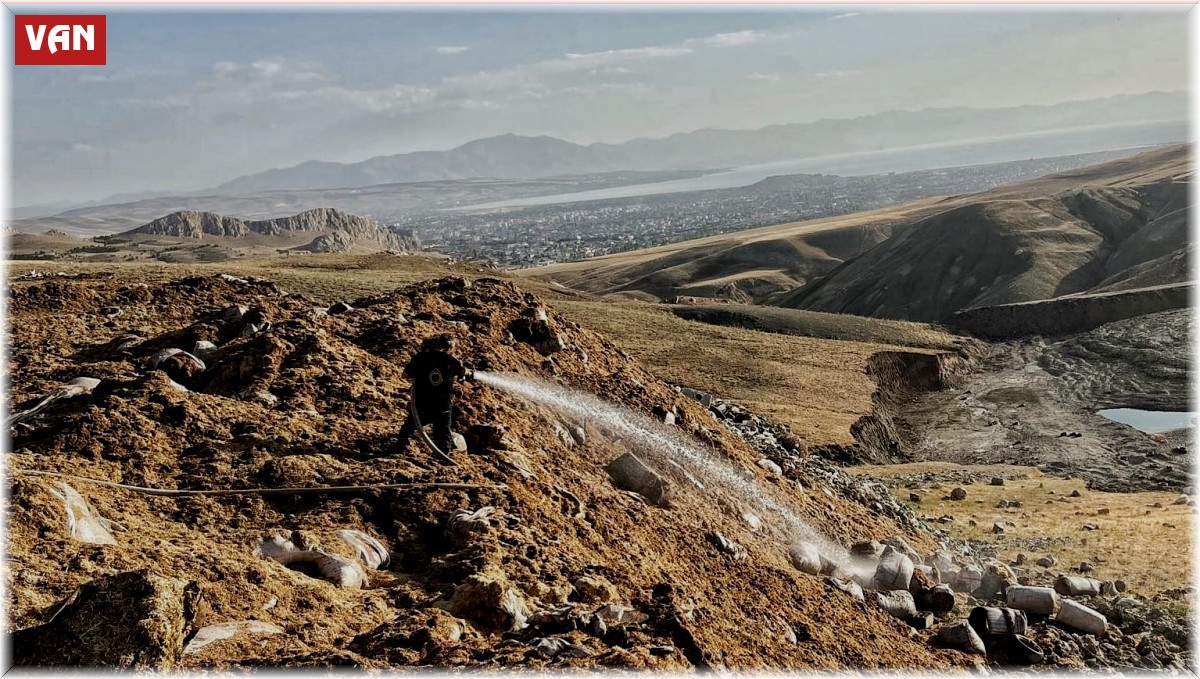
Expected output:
(60, 40)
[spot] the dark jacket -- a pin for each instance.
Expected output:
(433, 374)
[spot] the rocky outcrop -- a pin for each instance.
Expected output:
(188, 224)
(339, 231)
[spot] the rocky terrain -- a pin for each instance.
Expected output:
(523, 559)
(340, 232)
(312, 400)
(1143, 362)
(1033, 403)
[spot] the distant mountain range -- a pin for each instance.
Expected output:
(518, 157)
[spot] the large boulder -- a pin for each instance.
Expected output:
(131, 620)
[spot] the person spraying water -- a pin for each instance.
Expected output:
(433, 371)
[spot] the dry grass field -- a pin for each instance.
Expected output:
(1147, 546)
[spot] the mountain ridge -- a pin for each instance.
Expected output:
(519, 156)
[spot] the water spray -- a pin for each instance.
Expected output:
(664, 446)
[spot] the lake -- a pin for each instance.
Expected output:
(1150, 421)
(1045, 144)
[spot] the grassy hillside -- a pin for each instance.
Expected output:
(1061, 234)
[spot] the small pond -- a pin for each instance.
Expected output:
(1150, 421)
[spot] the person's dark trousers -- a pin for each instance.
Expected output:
(439, 417)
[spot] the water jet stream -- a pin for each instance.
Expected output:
(660, 445)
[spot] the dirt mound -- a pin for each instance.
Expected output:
(555, 567)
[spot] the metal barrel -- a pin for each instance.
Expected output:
(1022, 650)
(968, 579)
(997, 621)
(898, 603)
(1068, 585)
(938, 599)
(961, 636)
(1076, 615)
(1035, 600)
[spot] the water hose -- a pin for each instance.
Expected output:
(412, 411)
(172, 492)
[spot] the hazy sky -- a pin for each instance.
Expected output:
(190, 100)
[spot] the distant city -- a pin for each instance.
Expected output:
(516, 238)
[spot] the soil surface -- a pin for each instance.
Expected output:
(316, 400)
(1032, 403)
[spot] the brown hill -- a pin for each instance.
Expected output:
(314, 401)
(1013, 245)
(923, 260)
(745, 266)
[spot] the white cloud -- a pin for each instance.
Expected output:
(633, 54)
(847, 15)
(452, 49)
(731, 39)
(765, 77)
(267, 68)
(826, 75)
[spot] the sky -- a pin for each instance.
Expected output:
(189, 100)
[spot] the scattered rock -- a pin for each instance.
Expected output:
(487, 599)
(339, 308)
(727, 546)
(958, 493)
(805, 557)
(594, 589)
(997, 481)
(233, 314)
(770, 466)
(870, 549)
(630, 473)
(554, 647)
